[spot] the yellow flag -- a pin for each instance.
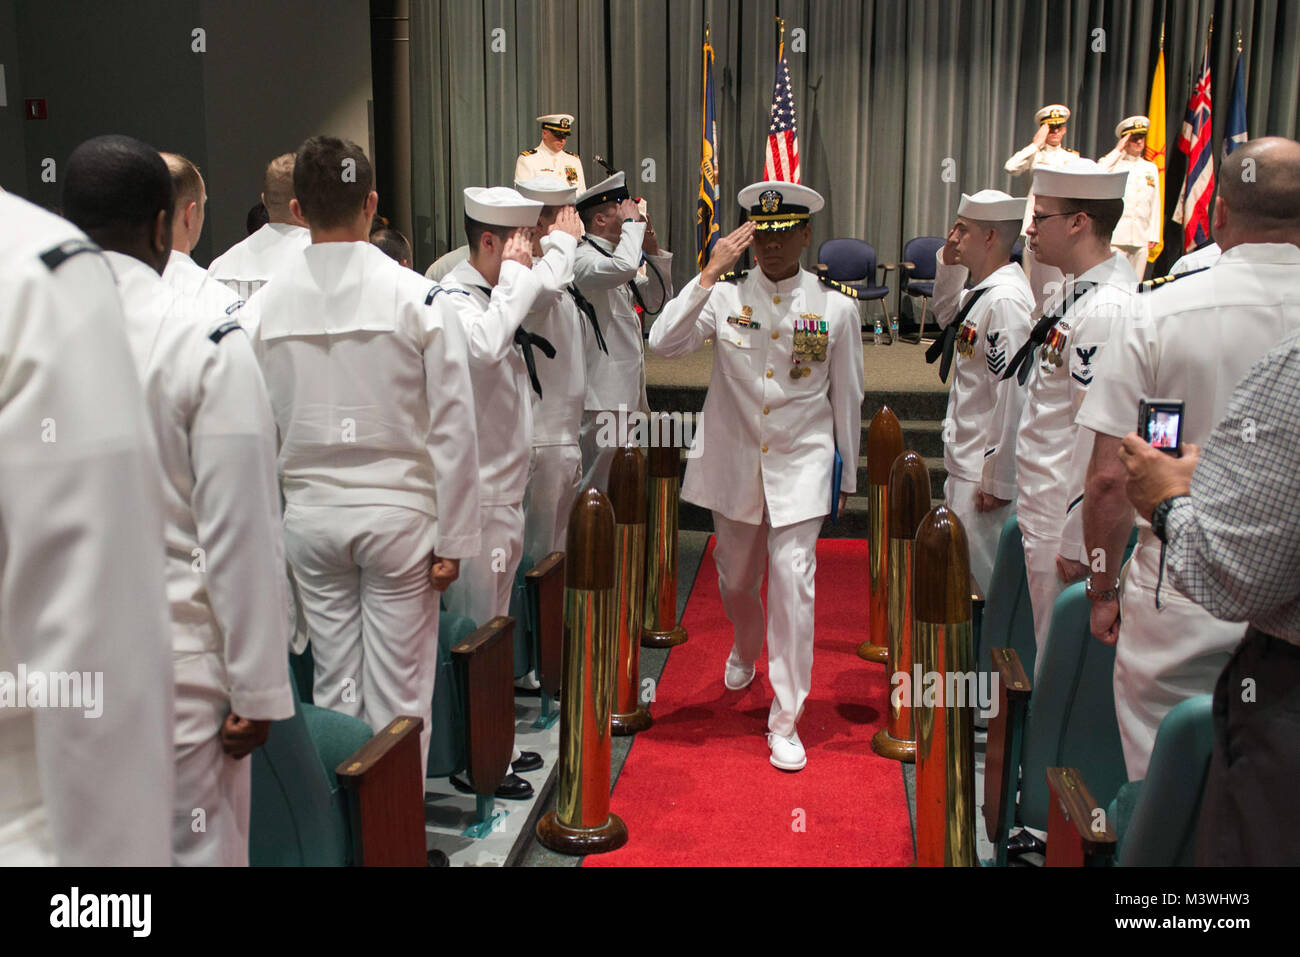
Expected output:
(1155, 150)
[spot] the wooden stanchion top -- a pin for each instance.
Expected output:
(627, 492)
(941, 570)
(589, 547)
(884, 444)
(909, 495)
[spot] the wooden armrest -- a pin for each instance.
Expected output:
(385, 794)
(908, 265)
(546, 586)
(888, 266)
(1002, 749)
(1012, 680)
(976, 595)
(1077, 830)
(486, 663)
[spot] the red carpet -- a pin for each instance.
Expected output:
(697, 788)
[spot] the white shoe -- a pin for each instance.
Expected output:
(787, 753)
(738, 675)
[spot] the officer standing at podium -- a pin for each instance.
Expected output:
(784, 395)
(549, 157)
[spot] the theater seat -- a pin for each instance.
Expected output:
(447, 735)
(1008, 618)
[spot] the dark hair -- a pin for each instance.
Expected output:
(474, 231)
(257, 218)
(588, 215)
(1104, 214)
(331, 180)
(113, 189)
(394, 245)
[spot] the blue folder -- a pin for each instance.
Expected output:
(837, 475)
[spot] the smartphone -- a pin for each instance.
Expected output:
(1160, 422)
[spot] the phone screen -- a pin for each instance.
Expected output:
(1162, 425)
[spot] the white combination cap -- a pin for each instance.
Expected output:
(1055, 115)
(775, 205)
(608, 190)
(561, 123)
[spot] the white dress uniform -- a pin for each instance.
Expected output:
(763, 457)
(1051, 457)
(1201, 258)
(544, 161)
(81, 570)
(378, 462)
(246, 266)
(225, 557)
(605, 274)
(1194, 340)
(983, 412)
(193, 282)
(1043, 279)
(1140, 224)
(503, 401)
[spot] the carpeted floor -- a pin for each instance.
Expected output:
(697, 789)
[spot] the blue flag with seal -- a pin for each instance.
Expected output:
(706, 217)
(1235, 134)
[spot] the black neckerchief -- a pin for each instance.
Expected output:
(944, 345)
(636, 293)
(587, 309)
(1022, 362)
(526, 341)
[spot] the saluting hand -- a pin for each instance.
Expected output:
(726, 251)
(650, 244)
(568, 221)
(1040, 135)
(948, 254)
(627, 211)
(519, 248)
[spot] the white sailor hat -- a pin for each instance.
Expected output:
(775, 206)
(1054, 115)
(991, 205)
(608, 190)
(500, 206)
(1135, 125)
(558, 123)
(1081, 179)
(547, 190)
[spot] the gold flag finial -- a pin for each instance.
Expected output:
(780, 26)
(1238, 42)
(706, 31)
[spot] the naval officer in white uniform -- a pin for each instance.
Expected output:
(81, 570)
(784, 396)
(1193, 340)
(1075, 210)
(247, 266)
(216, 442)
(1140, 227)
(183, 274)
(550, 158)
(989, 323)
(368, 371)
(619, 239)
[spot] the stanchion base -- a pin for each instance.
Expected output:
(888, 746)
(625, 724)
(663, 639)
(869, 652)
(610, 836)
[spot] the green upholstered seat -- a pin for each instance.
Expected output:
(1071, 719)
(1161, 830)
(447, 731)
(1008, 618)
(522, 611)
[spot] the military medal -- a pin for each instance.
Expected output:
(1054, 346)
(746, 319)
(966, 340)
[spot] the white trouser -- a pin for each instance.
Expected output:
(596, 454)
(1045, 586)
(549, 498)
(789, 555)
(363, 579)
(1163, 657)
(25, 839)
(1137, 257)
(983, 529)
(1044, 280)
(210, 808)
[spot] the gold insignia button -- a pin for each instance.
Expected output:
(765, 410)
(765, 448)
(769, 373)
(776, 335)
(776, 300)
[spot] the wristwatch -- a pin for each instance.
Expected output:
(1160, 515)
(1110, 594)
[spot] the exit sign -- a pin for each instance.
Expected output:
(36, 109)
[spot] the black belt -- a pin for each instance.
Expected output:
(1022, 361)
(944, 345)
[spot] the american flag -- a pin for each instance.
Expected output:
(782, 161)
(1198, 187)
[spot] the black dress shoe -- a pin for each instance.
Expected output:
(438, 859)
(527, 761)
(1025, 843)
(513, 788)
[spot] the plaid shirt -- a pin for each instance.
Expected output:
(1234, 543)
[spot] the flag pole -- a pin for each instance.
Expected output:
(780, 41)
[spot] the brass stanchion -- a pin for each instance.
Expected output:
(581, 822)
(943, 644)
(627, 493)
(661, 629)
(884, 444)
(909, 500)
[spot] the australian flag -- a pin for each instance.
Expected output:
(782, 161)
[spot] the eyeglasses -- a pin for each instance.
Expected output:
(1038, 219)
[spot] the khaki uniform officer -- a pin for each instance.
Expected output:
(1139, 227)
(979, 449)
(550, 158)
(1045, 150)
(785, 393)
